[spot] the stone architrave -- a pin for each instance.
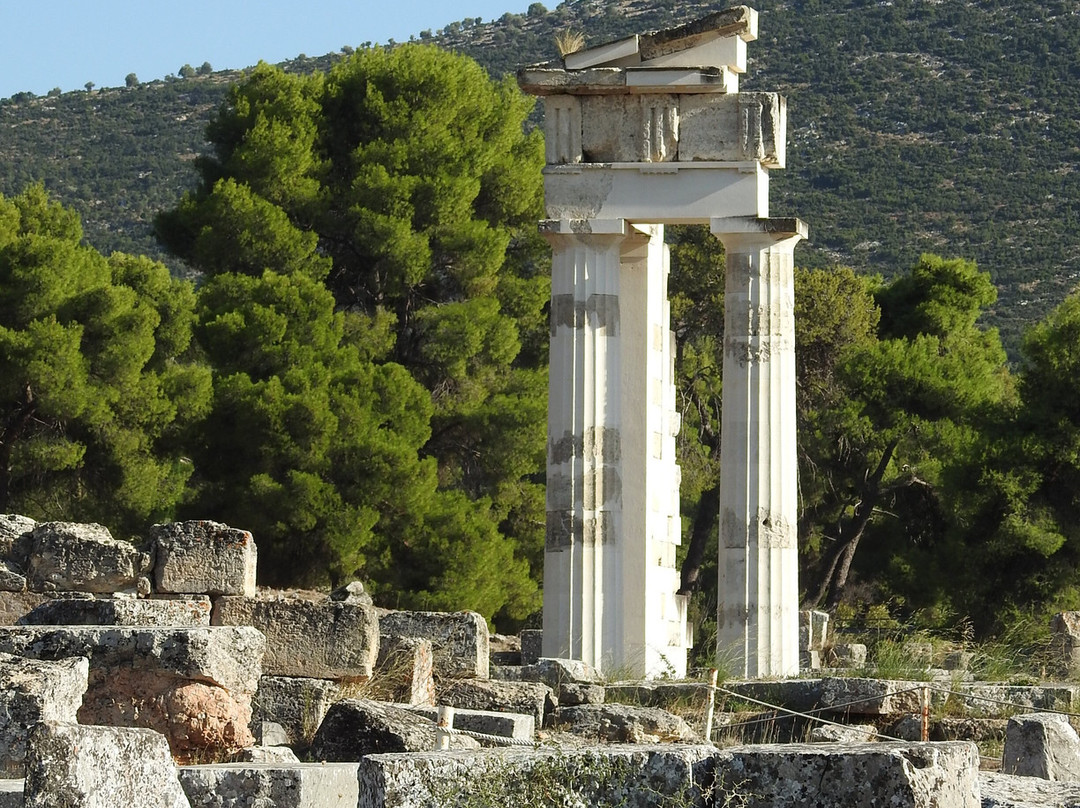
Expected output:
(643, 132)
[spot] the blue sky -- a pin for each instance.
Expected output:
(66, 43)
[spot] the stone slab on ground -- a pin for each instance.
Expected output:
(530, 698)
(229, 656)
(71, 765)
(298, 704)
(299, 785)
(518, 726)
(354, 728)
(193, 610)
(627, 776)
(899, 775)
(459, 640)
(1041, 745)
(66, 556)
(623, 723)
(309, 639)
(32, 691)
(203, 557)
(1011, 791)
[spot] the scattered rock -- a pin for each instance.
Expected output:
(623, 723)
(354, 728)
(1041, 745)
(353, 592)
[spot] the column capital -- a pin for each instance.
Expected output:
(777, 227)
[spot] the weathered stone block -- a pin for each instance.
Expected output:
(83, 558)
(190, 611)
(851, 733)
(278, 755)
(299, 705)
(11, 794)
(852, 776)
(11, 579)
(1065, 639)
(532, 643)
(193, 684)
(572, 694)
(202, 557)
(1010, 791)
(321, 640)
(32, 691)
(71, 765)
(624, 723)
(1041, 745)
(518, 726)
(15, 538)
(297, 785)
(637, 777)
(531, 698)
(870, 696)
(404, 672)
(459, 640)
(981, 700)
(846, 655)
(16, 605)
(354, 728)
(229, 657)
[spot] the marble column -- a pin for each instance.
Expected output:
(757, 613)
(612, 482)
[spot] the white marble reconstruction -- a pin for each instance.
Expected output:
(643, 132)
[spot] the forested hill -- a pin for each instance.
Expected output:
(914, 125)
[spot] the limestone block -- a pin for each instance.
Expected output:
(1010, 791)
(518, 726)
(504, 650)
(83, 558)
(279, 755)
(630, 128)
(899, 775)
(62, 611)
(404, 672)
(813, 630)
(624, 723)
(634, 776)
(298, 704)
(532, 698)
(1065, 638)
(846, 655)
(202, 557)
(32, 691)
(794, 694)
(322, 640)
(269, 733)
(15, 605)
(15, 538)
(851, 733)
(229, 657)
(733, 127)
(532, 640)
(354, 728)
(557, 672)
(870, 696)
(459, 640)
(296, 785)
(1041, 745)
(659, 693)
(988, 700)
(192, 684)
(572, 694)
(71, 765)
(11, 579)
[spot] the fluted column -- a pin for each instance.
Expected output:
(757, 613)
(610, 578)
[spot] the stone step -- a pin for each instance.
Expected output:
(299, 785)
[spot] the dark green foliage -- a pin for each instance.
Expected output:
(95, 391)
(374, 277)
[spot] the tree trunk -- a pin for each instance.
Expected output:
(703, 527)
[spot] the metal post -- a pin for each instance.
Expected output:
(925, 714)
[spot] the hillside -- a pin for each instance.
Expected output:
(914, 125)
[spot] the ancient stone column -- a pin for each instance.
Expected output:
(758, 609)
(612, 486)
